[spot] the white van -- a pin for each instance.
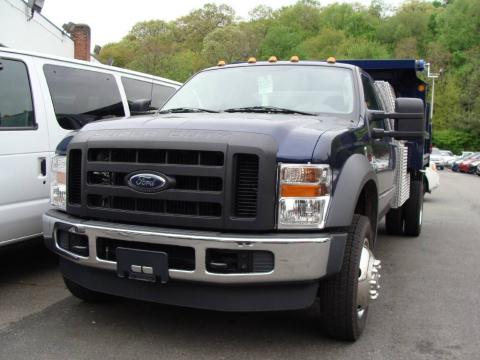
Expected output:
(43, 98)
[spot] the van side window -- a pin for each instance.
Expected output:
(82, 96)
(16, 105)
(142, 90)
(161, 94)
(137, 90)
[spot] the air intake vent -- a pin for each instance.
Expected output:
(154, 156)
(172, 207)
(246, 185)
(74, 190)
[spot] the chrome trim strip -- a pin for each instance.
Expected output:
(296, 258)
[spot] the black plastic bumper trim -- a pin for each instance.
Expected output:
(263, 297)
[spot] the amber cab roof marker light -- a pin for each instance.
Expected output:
(272, 59)
(252, 60)
(294, 59)
(331, 60)
(221, 63)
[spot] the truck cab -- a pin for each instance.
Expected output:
(258, 186)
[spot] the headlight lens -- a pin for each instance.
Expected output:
(58, 183)
(304, 195)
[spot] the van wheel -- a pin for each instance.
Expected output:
(345, 296)
(394, 222)
(83, 293)
(413, 209)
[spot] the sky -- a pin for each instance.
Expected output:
(111, 20)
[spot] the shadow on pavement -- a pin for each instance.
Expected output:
(22, 259)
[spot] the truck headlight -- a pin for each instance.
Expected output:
(304, 194)
(58, 183)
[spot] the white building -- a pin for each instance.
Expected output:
(23, 27)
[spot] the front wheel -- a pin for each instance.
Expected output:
(344, 297)
(413, 209)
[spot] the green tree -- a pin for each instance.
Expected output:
(118, 54)
(448, 111)
(460, 25)
(325, 44)
(229, 43)
(194, 27)
(260, 12)
(355, 20)
(280, 41)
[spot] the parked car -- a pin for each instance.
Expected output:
(465, 156)
(466, 153)
(464, 166)
(436, 158)
(448, 158)
(474, 166)
(442, 158)
(42, 99)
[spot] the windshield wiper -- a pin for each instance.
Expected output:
(186, 110)
(268, 109)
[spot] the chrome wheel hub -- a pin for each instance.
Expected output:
(368, 279)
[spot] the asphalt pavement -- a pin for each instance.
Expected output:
(429, 307)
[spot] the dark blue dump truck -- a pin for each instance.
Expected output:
(258, 186)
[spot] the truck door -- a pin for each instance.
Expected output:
(382, 149)
(24, 189)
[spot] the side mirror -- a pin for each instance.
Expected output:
(139, 106)
(410, 120)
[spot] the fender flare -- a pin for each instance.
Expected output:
(356, 172)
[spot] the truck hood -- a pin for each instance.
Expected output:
(295, 135)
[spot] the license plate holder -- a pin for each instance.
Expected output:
(143, 265)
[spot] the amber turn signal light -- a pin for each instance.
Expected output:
(303, 190)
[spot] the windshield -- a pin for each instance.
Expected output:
(307, 89)
(446, 153)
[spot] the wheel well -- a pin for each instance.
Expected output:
(367, 203)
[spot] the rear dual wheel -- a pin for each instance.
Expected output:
(413, 209)
(408, 218)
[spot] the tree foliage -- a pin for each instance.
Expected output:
(444, 32)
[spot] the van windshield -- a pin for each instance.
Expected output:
(303, 89)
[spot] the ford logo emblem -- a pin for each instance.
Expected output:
(148, 181)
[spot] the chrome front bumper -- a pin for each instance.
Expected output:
(297, 256)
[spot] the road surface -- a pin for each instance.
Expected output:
(429, 306)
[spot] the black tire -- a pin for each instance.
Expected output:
(394, 221)
(338, 293)
(413, 209)
(85, 294)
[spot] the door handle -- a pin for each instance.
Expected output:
(43, 166)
